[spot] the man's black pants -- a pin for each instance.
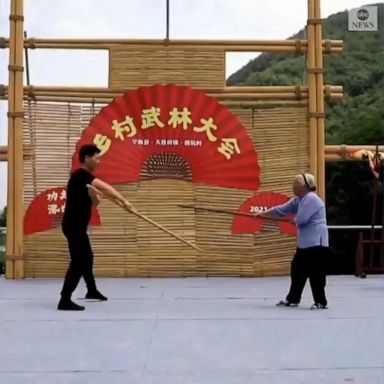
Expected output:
(81, 264)
(309, 263)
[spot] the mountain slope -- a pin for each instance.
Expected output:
(359, 69)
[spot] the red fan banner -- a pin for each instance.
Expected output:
(167, 125)
(46, 211)
(260, 203)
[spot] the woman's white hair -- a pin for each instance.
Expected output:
(307, 180)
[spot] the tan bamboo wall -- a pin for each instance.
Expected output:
(52, 130)
(133, 66)
(127, 246)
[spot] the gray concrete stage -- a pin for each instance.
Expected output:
(195, 330)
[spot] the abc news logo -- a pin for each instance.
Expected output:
(363, 19)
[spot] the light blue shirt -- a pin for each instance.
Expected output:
(310, 219)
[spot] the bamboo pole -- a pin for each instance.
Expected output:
(239, 102)
(214, 92)
(375, 188)
(197, 48)
(3, 150)
(235, 96)
(32, 136)
(251, 93)
(14, 262)
(27, 152)
(223, 96)
(234, 89)
(333, 157)
(268, 42)
(337, 149)
(10, 243)
(18, 145)
(230, 103)
(287, 46)
(312, 104)
(320, 104)
(107, 98)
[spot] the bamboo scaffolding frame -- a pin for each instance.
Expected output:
(127, 246)
(308, 96)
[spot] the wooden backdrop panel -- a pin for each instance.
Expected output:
(52, 130)
(164, 255)
(125, 245)
(133, 66)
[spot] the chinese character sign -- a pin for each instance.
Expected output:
(258, 204)
(46, 211)
(56, 199)
(172, 119)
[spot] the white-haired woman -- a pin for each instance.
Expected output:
(312, 241)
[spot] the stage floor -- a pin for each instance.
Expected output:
(192, 331)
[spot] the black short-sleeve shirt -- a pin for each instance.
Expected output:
(78, 207)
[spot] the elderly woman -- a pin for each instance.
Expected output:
(312, 241)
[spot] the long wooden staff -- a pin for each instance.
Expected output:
(232, 212)
(136, 213)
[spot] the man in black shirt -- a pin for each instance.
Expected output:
(77, 214)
